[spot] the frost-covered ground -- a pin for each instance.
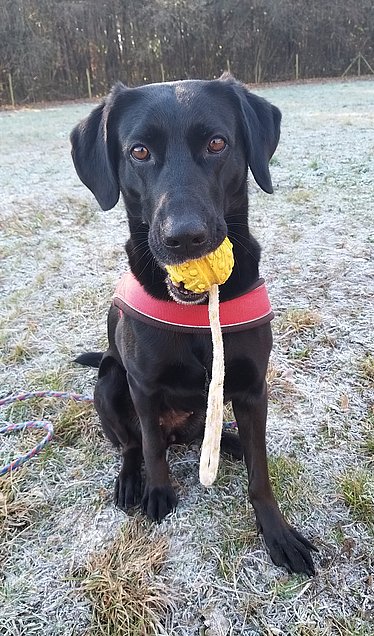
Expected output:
(62, 256)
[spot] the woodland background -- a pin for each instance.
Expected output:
(67, 49)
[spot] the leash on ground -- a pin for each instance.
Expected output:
(36, 424)
(17, 462)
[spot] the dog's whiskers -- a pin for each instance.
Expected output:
(235, 239)
(150, 260)
(140, 246)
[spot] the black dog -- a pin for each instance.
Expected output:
(179, 152)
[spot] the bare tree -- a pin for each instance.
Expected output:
(52, 49)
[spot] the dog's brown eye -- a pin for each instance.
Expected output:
(217, 144)
(141, 153)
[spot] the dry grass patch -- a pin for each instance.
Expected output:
(281, 388)
(367, 445)
(228, 413)
(18, 349)
(345, 627)
(300, 196)
(86, 215)
(367, 368)
(83, 211)
(287, 587)
(274, 161)
(13, 512)
(23, 223)
(289, 482)
(59, 379)
(297, 321)
(17, 506)
(121, 582)
(95, 298)
(357, 488)
(314, 164)
(74, 423)
(19, 353)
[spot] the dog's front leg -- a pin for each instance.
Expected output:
(287, 547)
(159, 497)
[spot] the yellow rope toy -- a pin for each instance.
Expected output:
(201, 275)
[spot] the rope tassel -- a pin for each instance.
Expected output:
(210, 449)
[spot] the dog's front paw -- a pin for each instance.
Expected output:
(157, 502)
(289, 549)
(127, 490)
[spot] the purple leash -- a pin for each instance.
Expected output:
(42, 424)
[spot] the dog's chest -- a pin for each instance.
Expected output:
(184, 386)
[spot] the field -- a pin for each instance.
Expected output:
(71, 564)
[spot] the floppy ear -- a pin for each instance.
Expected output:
(95, 152)
(261, 130)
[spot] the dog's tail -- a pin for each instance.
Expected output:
(90, 359)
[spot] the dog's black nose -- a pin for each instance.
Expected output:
(185, 238)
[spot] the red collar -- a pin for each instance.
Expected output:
(245, 312)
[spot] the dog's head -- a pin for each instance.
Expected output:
(179, 152)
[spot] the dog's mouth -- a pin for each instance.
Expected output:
(180, 294)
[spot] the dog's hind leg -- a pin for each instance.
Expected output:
(121, 425)
(230, 444)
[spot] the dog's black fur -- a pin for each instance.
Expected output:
(183, 193)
